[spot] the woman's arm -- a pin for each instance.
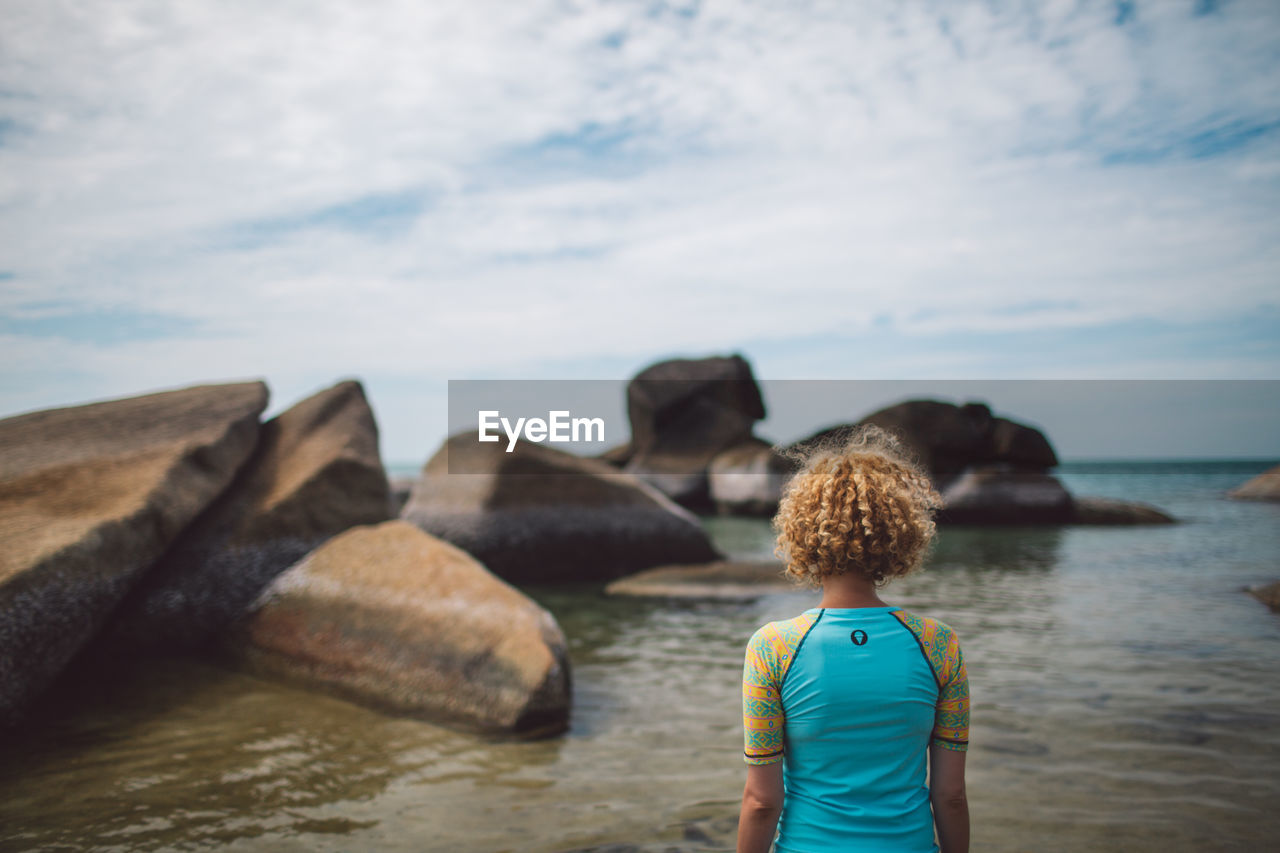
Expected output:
(950, 805)
(761, 806)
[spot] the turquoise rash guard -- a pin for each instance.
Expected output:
(849, 700)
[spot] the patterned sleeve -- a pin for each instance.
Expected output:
(761, 701)
(951, 720)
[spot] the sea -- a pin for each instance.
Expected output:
(1125, 689)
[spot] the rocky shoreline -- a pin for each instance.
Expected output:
(179, 521)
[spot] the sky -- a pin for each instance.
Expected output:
(409, 193)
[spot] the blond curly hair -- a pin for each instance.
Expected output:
(857, 504)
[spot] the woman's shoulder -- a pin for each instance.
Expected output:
(784, 633)
(938, 642)
(927, 628)
(774, 646)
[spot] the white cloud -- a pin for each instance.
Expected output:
(618, 180)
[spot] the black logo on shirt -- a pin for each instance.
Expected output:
(859, 637)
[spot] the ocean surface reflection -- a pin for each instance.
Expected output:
(1125, 698)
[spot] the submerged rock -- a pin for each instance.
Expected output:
(316, 472)
(684, 412)
(90, 496)
(731, 579)
(1264, 487)
(542, 515)
(397, 619)
(1107, 511)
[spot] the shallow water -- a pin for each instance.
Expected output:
(1126, 697)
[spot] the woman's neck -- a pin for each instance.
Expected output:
(849, 590)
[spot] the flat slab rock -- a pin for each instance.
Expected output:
(1106, 511)
(727, 579)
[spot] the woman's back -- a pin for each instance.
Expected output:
(856, 695)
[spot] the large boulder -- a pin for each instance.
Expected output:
(397, 619)
(538, 514)
(748, 479)
(1264, 487)
(947, 439)
(683, 412)
(998, 495)
(90, 496)
(988, 469)
(316, 472)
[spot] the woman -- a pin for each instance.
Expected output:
(843, 704)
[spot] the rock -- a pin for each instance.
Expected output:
(316, 472)
(682, 413)
(1021, 446)
(728, 579)
(1088, 510)
(948, 439)
(90, 496)
(618, 455)
(1264, 487)
(1268, 595)
(539, 514)
(998, 495)
(989, 470)
(401, 488)
(396, 619)
(748, 479)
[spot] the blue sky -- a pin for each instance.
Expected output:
(408, 193)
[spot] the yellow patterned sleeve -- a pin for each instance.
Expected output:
(941, 649)
(769, 655)
(951, 720)
(762, 718)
